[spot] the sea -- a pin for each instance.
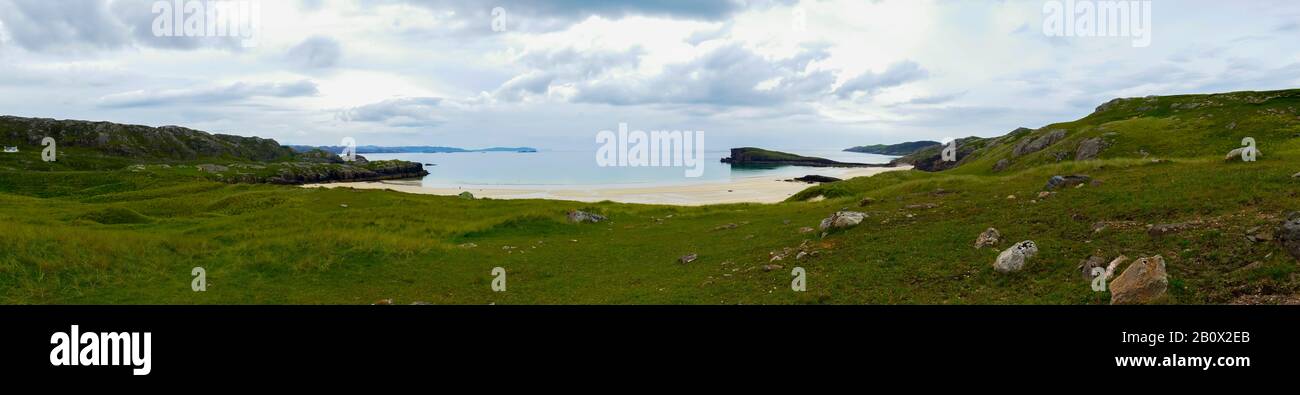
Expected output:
(553, 168)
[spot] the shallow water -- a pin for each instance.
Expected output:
(578, 168)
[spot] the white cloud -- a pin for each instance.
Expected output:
(429, 72)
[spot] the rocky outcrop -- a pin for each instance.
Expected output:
(842, 220)
(1090, 149)
(932, 159)
(295, 173)
(750, 156)
(1145, 281)
(143, 143)
(1031, 145)
(815, 179)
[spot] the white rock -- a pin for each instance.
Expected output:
(842, 220)
(1013, 259)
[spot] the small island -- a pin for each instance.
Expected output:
(900, 149)
(750, 156)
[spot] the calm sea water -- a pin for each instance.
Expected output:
(579, 168)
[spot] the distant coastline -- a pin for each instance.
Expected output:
(375, 149)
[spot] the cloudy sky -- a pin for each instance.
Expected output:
(551, 74)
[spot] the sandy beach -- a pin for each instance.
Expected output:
(758, 189)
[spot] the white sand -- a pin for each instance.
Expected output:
(761, 189)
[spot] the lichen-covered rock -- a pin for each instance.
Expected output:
(1145, 281)
(1090, 149)
(579, 216)
(989, 238)
(842, 220)
(1014, 258)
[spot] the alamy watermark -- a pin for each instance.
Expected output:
(949, 151)
(498, 279)
(240, 19)
(800, 281)
(1249, 152)
(50, 152)
(349, 153)
(1099, 18)
(499, 19)
(654, 149)
(200, 282)
(75, 348)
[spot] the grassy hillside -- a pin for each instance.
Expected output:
(121, 236)
(1150, 127)
(183, 152)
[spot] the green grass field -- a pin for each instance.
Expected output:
(108, 235)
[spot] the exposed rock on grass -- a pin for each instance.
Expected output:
(1289, 235)
(1090, 148)
(579, 216)
(1057, 182)
(989, 238)
(1086, 267)
(1235, 155)
(1001, 165)
(1143, 282)
(211, 168)
(1032, 145)
(1168, 229)
(1013, 259)
(842, 220)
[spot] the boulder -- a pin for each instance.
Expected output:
(1090, 149)
(989, 238)
(1057, 182)
(579, 216)
(688, 258)
(1235, 155)
(1145, 281)
(1013, 259)
(1289, 235)
(816, 179)
(1085, 267)
(842, 220)
(1031, 145)
(1002, 164)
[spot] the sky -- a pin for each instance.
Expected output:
(552, 74)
